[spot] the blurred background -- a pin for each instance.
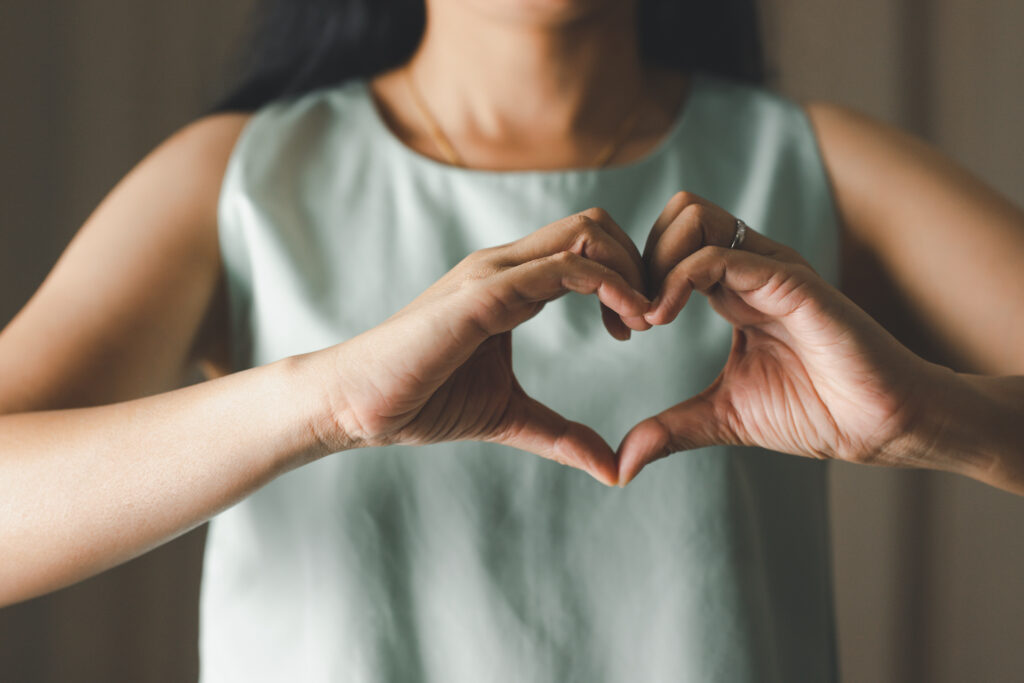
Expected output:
(929, 568)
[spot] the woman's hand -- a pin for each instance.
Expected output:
(809, 372)
(440, 369)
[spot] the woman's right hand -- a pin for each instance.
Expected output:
(440, 369)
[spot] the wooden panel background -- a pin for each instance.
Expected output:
(928, 567)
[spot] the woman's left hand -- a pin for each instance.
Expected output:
(810, 373)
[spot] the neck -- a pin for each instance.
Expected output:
(489, 77)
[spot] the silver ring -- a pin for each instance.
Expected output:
(741, 232)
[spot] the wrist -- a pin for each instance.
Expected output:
(972, 425)
(317, 393)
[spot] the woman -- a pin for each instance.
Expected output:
(349, 262)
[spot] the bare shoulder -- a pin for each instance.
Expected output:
(135, 293)
(223, 126)
(868, 159)
(216, 134)
(177, 184)
(883, 175)
(838, 124)
(938, 233)
(195, 156)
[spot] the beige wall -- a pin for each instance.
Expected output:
(929, 568)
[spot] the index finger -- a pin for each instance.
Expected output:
(592, 233)
(699, 223)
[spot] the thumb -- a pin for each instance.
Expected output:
(691, 424)
(539, 429)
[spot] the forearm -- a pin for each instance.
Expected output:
(85, 489)
(976, 428)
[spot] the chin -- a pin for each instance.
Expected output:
(540, 12)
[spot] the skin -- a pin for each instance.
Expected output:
(103, 456)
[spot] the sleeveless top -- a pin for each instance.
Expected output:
(469, 562)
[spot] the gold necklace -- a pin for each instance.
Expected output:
(443, 144)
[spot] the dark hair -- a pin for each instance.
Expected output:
(295, 46)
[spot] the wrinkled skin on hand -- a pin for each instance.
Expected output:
(441, 368)
(809, 372)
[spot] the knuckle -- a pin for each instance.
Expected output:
(589, 229)
(680, 200)
(563, 258)
(584, 231)
(471, 260)
(716, 252)
(577, 220)
(695, 219)
(581, 223)
(480, 264)
(490, 306)
(478, 256)
(694, 214)
(596, 213)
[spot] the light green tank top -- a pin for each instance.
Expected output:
(469, 562)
